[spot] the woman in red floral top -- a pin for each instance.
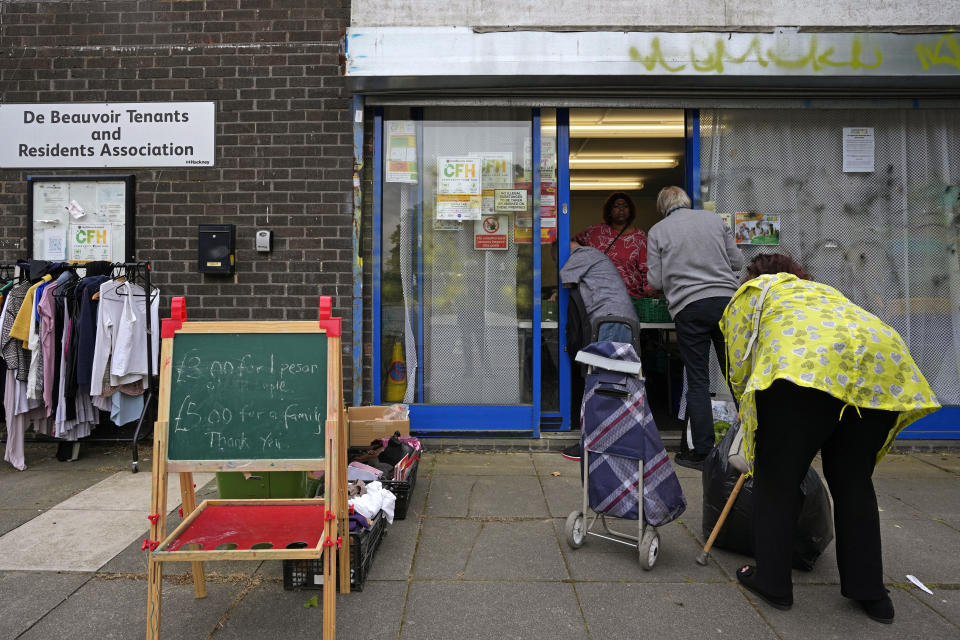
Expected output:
(626, 247)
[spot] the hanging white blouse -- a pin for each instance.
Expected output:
(121, 347)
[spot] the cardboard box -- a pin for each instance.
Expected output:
(367, 423)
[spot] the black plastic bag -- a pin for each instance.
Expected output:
(814, 526)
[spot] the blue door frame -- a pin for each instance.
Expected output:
(513, 420)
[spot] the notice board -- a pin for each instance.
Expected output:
(82, 217)
(248, 396)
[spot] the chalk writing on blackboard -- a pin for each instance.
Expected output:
(248, 396)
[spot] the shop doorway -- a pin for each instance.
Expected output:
(634, 152)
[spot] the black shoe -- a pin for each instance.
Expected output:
(880, 609)
(572, 452)
(690, 459)
(745, 575)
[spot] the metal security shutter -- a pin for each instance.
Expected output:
(886, 239)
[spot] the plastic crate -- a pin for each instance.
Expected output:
(652, 309)
(402, 489)
(308, 574)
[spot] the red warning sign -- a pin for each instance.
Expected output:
(490, 232)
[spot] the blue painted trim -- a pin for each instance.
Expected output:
(417, 115)
(377, 256)
(692, 153)
(535, 291)
(941, 425)
(515, 418)
(563, 250)
(357, 258)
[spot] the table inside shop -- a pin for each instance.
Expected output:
(664, 328)
(548, 337)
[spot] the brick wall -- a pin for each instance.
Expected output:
(284, 157)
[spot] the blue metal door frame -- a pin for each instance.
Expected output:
(519, 420)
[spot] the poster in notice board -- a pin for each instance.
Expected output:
(81, 218)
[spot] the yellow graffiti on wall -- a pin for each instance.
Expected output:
(717, 59)
(930, 56)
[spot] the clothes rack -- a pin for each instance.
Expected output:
(135, 272)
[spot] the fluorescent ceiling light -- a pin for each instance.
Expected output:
(581, 184)
(614, 162)
(626, 129)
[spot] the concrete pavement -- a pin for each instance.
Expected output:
(482, 554)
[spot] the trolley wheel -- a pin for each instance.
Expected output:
(576, 533)
(649, 548)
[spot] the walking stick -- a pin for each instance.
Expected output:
(702, 558)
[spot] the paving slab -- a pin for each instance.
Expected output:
(916, 465)
(521, 550)
(821, 612)
(604, 560)
(934, 496)
(946, 602)
(84, 532)
(634, 610)
(10, 519)
(445, 546)
(484, 463)
(25, 597)
(43, 489)
(268, 611)
(108, 609)
(449, 496)
(947, 460)
(547, 463)
(394, 558)
(563, 493)
(487, 496)
(921, 547)
(484, 610)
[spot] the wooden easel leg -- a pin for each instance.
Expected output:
(340, 502)
(154, 596)
(188, 498)
(330, 595)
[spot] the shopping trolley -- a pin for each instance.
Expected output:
(623, 458)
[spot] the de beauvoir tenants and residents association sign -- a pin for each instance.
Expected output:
(135, 134)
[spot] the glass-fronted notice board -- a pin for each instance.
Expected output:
(81, 218)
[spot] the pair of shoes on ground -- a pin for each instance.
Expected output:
(690, 459)
(572, 452)
(880, 609)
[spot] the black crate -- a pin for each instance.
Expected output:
(402, 489)
(308, 574)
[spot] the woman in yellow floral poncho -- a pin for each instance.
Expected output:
(815, 372)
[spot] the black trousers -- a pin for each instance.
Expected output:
(698, 326)
(793, 423)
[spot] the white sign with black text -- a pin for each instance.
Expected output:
(132, 134)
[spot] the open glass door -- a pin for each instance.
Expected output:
(458, 233)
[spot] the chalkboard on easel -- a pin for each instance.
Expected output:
(247, 396)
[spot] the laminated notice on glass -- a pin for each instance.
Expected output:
(858, 149)
(81, 217)
(491, 233)
(401, 151)
(458, 188)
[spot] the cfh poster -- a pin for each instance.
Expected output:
(458, 188)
